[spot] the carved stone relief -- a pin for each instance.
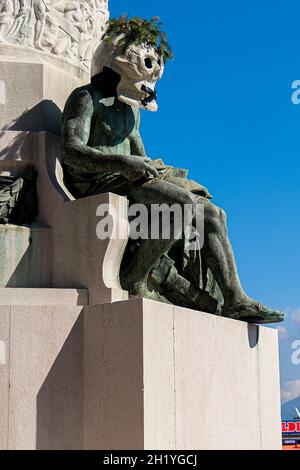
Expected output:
(70, 29)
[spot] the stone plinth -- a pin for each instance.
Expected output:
(136, 375)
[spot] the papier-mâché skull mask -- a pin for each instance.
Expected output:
(140, 67)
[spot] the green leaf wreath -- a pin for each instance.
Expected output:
(139, 31)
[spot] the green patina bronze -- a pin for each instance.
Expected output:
(103, 151)
(18, 199)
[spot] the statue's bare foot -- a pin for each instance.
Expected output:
(39, 46)
(253, 312)
(140, 289)
(135, 289)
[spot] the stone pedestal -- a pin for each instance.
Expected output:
(135, 374)
(85, 368)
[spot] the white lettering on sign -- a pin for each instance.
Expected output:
(2, 92)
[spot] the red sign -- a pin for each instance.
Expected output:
(291, 427)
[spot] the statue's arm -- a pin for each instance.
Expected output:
(136, 142)
(76, 127)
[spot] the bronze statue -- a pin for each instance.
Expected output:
(103, 151)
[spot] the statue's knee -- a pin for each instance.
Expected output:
(222, 215)
(185, 200)
(219, 214)
(190, 206)
(214, 215)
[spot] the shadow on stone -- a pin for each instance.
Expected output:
(20, 145)
(45, 116)
(60, 398)
(253, 335)
(26, 253)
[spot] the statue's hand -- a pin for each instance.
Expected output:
(136, 168)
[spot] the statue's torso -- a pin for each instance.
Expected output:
(113, 126)
(113, 131)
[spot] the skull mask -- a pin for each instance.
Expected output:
(139, 67)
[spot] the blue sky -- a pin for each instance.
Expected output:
(226, 113)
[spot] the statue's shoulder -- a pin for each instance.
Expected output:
(84, 97)
(85, 92)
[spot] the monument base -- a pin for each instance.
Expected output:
(135, 374)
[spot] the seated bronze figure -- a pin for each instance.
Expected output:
(103, 151)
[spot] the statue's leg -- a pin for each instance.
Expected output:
(22, 9)
(134, 276)
(219, 258)
(39, 11)
(218, 254)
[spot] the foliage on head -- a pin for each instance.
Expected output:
(138, 31)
